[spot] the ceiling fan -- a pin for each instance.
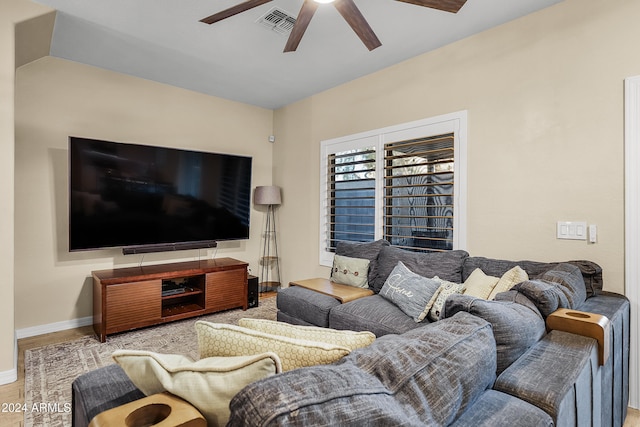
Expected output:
(346, 8)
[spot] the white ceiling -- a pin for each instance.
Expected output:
(241, 60)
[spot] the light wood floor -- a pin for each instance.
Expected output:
(14, 392)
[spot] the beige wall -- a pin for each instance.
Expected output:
(11, 13)
(544, 96)
(56, 98)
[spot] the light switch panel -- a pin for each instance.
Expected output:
(572, 230)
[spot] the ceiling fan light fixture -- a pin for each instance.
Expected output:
(346, 8)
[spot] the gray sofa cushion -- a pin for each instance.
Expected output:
(446, 265)
(544, 294)
(560, 375)
(591, 272)
(375, 314)
(561, 287)
(569, 281)
(100, 390)
(592, 275)
(517, 324)
(497, 267)
(310, 307)
(495, 409)
(419, 378)
(367, 250)
(281, 316)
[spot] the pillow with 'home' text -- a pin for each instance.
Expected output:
(411, 292)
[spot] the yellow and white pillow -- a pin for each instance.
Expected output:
(216, 339)
(509, 280)
(479, 285)
(208, 384)
(349, 339)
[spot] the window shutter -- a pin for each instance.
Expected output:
(351, 188)
(418, 193)
(404, 183)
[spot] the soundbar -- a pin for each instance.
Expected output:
(168, 247)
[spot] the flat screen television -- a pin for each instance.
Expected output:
(146, 199)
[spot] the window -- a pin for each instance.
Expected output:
(418, 193)
(352, 195)
(404, 183)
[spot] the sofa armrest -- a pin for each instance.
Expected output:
(559, 375)
(585, 324)
(99, 390)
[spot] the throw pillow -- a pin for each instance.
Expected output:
(562, 287)
(515, 321)
(570, 281)
(366, 250)
(350, 271)
(216, 339)
(509, 280)
(479, 284)
(409, 291)
(544, 295)
(349, 339)
(444, 291)
(208, 384)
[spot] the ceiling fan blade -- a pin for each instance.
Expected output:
(309, 7)
(358, 23)
(234, 10)
(452, 6)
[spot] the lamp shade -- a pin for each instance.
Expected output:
(267, 195)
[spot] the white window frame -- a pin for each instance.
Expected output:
(455, 123)
(632, 228)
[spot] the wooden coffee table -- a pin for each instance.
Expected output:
(343, 293)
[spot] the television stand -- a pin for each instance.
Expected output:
(136, 297)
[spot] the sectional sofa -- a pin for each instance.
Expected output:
(466, 361)
(553, 370)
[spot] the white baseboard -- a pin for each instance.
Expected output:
(8, 377)
(54, 327)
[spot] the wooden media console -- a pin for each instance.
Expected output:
(133, 297)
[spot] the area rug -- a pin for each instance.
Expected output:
(50, 370)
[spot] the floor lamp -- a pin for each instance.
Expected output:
(269, 262)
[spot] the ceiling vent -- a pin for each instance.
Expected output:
(278, 20)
